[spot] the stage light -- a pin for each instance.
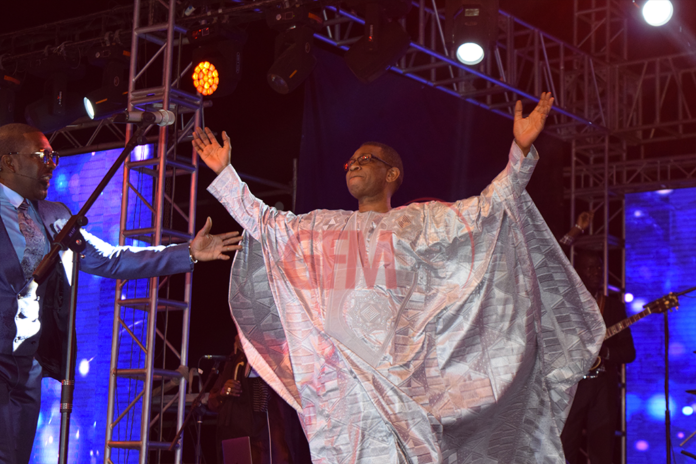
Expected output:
(383, 43)
(294, 46)
(657, 12)
(43, 115)
(112, 96)
(57, 108)
(206, 78)
(294, 61)
(471, 27)
(218, 59)
(8, 90)
(470, 53)
(218, 68)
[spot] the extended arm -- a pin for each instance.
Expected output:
(103, 259)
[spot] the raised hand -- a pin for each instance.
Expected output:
(526, 130)
(206, 145)
(584, 220)
(208, 247)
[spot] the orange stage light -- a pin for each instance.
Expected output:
(206, 78)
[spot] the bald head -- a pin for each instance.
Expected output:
(13, 137)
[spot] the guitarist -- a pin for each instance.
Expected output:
(596, 404)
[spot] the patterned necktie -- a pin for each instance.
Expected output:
(35, 238)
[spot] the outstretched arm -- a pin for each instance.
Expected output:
(129, 262)
(526, 130)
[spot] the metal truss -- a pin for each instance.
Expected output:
(18, 50)
(597, 91)
(631, 100)
(146, 309)
(640, 175)
(600, 28)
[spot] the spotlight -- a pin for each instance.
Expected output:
(383, 42)
(294, 61)
(56, 110)
(657, 12)
(8, 90)
(470, 53)
(294, 54)
(218, 61)
(206, 78)
(218, 67)
(112, 96)
(58, 107)
(471, 27)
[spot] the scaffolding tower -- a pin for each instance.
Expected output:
(148, 310)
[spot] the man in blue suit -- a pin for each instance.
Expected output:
(33, 318)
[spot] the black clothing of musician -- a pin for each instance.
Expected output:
(596, 404)
(250, 408)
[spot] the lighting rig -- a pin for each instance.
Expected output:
(294, 46)
(471, 26)
(655, 12)
(112, 96)
(58, 106)
(384, 42)
(9, 86)
(217, 60)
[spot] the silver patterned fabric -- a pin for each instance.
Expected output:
(436, 332)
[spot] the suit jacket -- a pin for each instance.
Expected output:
(50, 345)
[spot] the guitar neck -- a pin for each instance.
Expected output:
(619, 326)
(658, 306)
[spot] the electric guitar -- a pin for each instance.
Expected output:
(658, 306)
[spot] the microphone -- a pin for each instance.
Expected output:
(215, 357)
(159, 117)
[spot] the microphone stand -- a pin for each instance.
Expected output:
(194, 405)
(668, 420)
(70, 238)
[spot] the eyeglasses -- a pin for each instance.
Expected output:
(363, 160)
(44, 154)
